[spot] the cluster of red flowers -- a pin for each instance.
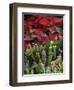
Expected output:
(41, 28)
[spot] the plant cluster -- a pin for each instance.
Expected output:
(43, 44)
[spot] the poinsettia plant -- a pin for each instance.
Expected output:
(43, 42)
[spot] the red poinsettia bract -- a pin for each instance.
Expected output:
(37, 27)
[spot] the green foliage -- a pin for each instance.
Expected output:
(58, 29)
(33, 58)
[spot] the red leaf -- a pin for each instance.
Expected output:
(44, 22)
(27, 38)
(53, 36)
(36, 31)
(52, 29)
(26, 44)
(44, 38)
(58, 20)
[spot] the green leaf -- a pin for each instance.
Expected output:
(58, 29)
(40, 69)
